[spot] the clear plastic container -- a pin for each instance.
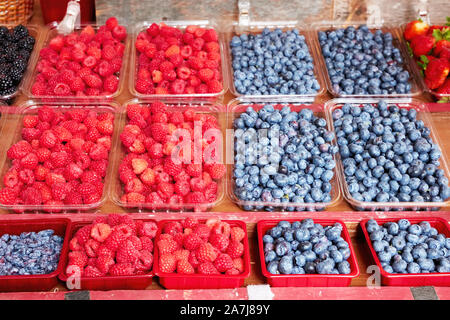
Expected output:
(307, 280)
(238, 106)
(116, 186)
(422, 114)
(108, 282)
(201, 281)
(331, 25)
(33, 31)
(256, 27)
(410, 279)
(31, 107)
(38, 282)
(182, 26)
(50, 33)
(413, 63)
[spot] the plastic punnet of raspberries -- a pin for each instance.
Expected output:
(171, 158)
(113, 245)
(60, 161)
(86, 62)
(193, 247)
(174, 61)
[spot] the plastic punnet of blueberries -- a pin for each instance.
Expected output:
(403, 247)
(388, 155)
(361, 62)
(282, 158)
(30, 253)
(273, 63)
(305, 247)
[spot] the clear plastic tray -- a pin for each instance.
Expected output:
(116, 186)
(257, 27)
(182, 26)
(330, 25)
(31, 107)
(422, 114)
(34, 31)
(413, 63)
(238, 106)
(48, 35)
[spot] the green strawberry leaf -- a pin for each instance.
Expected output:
(408, 46)
(448, 21)
(446, 34)
(423, 63)
(437, 34)
(444, 100)
(424, 59)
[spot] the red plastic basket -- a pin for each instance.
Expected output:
(41, 282)
(416, 279)
(201, 281)
(307, 280)
(135, 282)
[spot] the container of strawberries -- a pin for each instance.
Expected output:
(170, 156)
(429, 48)
(110, 253)
(201, 254)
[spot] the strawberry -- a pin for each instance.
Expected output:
(441, 45)
(445, 88)
(436, 72)
(415, 28)
(422, 45)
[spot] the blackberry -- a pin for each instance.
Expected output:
(5, 82)
(4, 32)
(24, 55)
(19, 32)
(19, 64)
(16, 75)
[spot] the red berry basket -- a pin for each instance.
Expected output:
(42, 282)
(133, 282)
(307, 280)
(201, 281)
(417, 279)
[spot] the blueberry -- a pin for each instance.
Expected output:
(272, 267)
(344, 267)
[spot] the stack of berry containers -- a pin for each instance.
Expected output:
(258, 28)
(31, 108)
(413, 63)
(32, 31)
(203, 281)
(396, 43)
(107, 282)
(50, 34)
(423, 114)
(182, 26)
(38, 282)
(307, 280)
(239, 106)
(116, 190)
(410, 279)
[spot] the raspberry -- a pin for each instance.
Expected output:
(29, 161)
(78, 258)
(7, 196)
(207, 268)
(113, 219)
(91, 246)
(100, 231)
(237, 234)
(59, 159)
(223, 262)
(111, 23)
(119, 32)
(214, 86)
(93, 81)
(121, 269)
(178, 86)
(184, 267)
(197, 184)
(118, 235)
(206, 252)
(232, 272)
(147, 229)
(172, 228)
(147, 243)
(83, 234)
(134, 198)
(127, 252)
(194, 170)
(205, 74)
(136, 242)
(19, 150)
(195, 198)
(30, 121)
(31, 196)
(111, 84)
(193, 259)
(167, 263)
(167, 246)
(104, 262)
(182, 188)
(57, 43)
(216, 170)
(159, 131)
(235, 249)
(171, 168)
(192, 241)
(59, 191)
(128, 221)
(145, 261)
(108, 52)
(202, 231)
(172, 51)
(219, 241)
(139, 165)
(73, 198)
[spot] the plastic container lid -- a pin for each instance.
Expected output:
(411, 279)
(307, 280)
(422, 114)
(238, 106)
(256, 27)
